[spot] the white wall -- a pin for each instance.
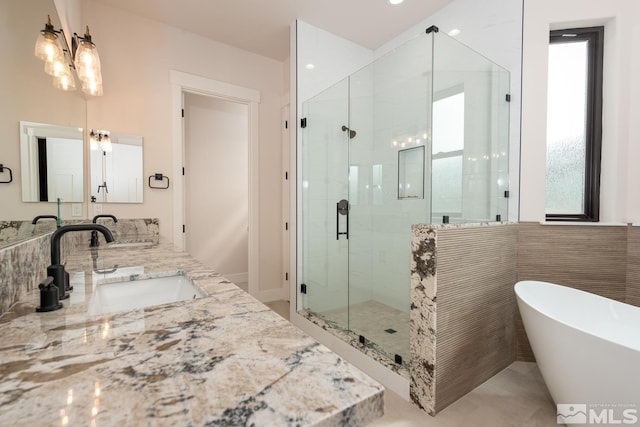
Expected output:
(618, 197)
(333, 57)
(137, 55)
(217, 183)
(70, 14)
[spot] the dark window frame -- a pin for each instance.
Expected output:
(593, 131)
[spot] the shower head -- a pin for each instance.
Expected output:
(352, 133)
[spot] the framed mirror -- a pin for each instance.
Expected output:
(116, 167)
(51, 162)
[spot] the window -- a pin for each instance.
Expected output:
(574, 124)
(448, 147)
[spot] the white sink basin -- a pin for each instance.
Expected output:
(133, 294)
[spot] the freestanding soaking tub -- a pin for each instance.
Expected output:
(587, 347)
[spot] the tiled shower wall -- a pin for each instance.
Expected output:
(633, 266)
(465, 274)
(465, 326)
(603, 260)
(475, 322)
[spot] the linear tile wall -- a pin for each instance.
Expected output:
(633, 266)
(462, 309)
(476, 270)
(590, 258)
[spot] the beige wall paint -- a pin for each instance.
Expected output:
(28, 94)
(217, 183)
(137, 55)
(70, 14)
(620, 17)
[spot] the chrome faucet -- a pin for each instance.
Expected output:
(56, 270)
(94, 234)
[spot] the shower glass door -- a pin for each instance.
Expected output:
(388, 190)
(418, 136)
(324, 182)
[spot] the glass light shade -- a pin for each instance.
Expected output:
(56, 68)
(87, 59)
(65, 81)
(92, 88)
(90, 75)
(47, 47)
(105, 143)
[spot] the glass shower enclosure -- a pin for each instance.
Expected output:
(418, 136)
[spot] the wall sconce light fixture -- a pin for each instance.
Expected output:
(100, 140)
(60, 59)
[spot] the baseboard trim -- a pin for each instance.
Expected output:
(273, 295)
(237, 277)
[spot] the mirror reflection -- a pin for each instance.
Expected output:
(51, 159)
(116, 167)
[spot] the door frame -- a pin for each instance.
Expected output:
(189, 83)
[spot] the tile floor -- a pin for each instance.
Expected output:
(384, 325)
(515, 397)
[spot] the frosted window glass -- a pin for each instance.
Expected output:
(566, 124)
(377, 184)
(354, 174)
(447, 185)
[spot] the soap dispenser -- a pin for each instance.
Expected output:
(48, 296)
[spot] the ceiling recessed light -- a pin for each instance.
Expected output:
(454, 32)
(309, 66)
(395, 2)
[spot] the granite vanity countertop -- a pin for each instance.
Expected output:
(221, 360)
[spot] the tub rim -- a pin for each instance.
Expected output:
(551, 285)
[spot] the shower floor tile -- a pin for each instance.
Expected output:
(373, 320)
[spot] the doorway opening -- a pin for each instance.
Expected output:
(217, 184)
(199, 93)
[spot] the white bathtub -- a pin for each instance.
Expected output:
(587, 347)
